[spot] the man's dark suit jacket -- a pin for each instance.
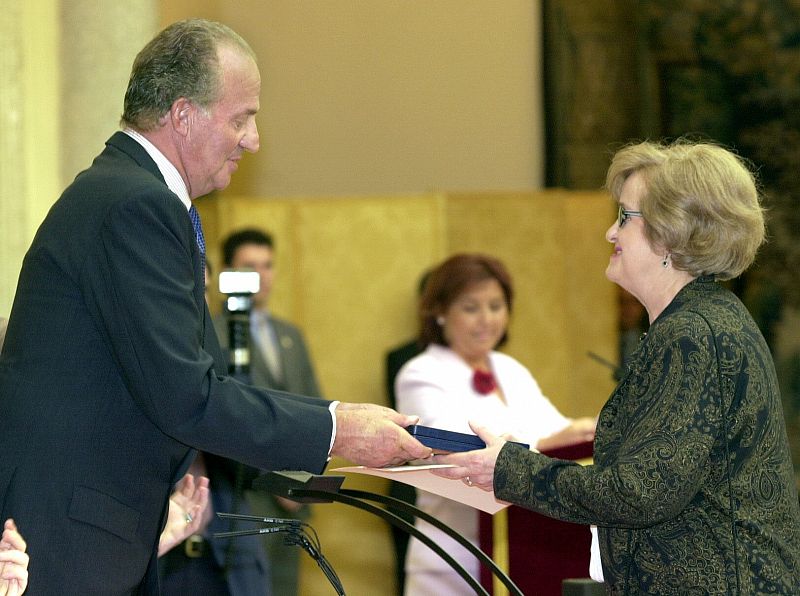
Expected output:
(298, 371)
(112, 374)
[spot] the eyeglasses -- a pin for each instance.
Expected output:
(623, 215)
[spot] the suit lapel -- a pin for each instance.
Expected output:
(126, 144)
(123, 142)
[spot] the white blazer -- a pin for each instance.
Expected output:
(437, 386)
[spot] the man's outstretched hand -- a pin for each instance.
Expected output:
(375, 436)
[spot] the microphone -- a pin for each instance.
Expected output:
(286, 521)
(237, 533)
(298, 533)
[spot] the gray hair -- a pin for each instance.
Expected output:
(181, 61)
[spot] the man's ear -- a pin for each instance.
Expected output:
(180, 115)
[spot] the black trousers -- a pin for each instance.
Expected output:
(181, 574)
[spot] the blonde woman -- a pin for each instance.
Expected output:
(692, 488)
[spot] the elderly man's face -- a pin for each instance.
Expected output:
(218, 137)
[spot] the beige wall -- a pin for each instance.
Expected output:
(64, 65)
(100, 39)
(347, 271)
(29, 89)
(387, 96)
(364, 97)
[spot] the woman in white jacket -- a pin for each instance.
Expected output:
(464, 313)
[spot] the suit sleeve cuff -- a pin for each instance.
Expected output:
(332, 410)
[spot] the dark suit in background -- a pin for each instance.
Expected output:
(298, 371)
(110, 371)
(297, 377)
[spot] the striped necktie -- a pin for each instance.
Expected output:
(264, 333)
(198, 232)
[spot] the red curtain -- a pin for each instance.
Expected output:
(542, 551)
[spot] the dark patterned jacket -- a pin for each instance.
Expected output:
(692, 486)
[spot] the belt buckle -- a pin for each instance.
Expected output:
(194, 546)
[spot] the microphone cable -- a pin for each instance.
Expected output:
(295, 533)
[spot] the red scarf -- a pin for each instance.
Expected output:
(483, 382)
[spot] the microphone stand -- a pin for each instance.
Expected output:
(309, 488)
(409, 509)
(298, 533)
(239, 288)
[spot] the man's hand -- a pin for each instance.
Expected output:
(375, 436)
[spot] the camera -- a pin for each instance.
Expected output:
(239, 282)
(239, 286)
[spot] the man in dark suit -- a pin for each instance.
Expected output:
(279, 356)
(111, 373)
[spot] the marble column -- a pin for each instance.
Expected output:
(11, 179)
(64, 66)
(100, 39)
(28, 124)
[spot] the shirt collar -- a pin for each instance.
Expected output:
(171, 176)
(258, 313)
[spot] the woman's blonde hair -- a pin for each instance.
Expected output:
(701, 204)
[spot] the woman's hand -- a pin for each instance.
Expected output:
(474, 468)
(187, 506)
(13, 561)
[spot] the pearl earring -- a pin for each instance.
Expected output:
(440, 320)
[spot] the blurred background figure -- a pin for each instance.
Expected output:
(464, 316)
(279, 359)
(188, 512)
(279, 356)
